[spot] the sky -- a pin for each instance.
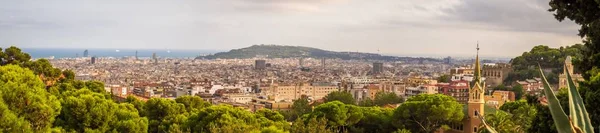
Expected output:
(395, 27)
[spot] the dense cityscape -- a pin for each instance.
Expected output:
(453, 66)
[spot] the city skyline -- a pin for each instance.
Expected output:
(393, 27)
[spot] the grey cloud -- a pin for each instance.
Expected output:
(515, 15)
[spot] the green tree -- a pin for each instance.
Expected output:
(223, 118)
(162, 112)
(543, 122)
(192, 103)
(522, 114)
(138, 104)
(24, 103)
(585, 13)
(367, 102)
(501, 122)
(518, 90)
(376, 120)
(385, 98)
(311, 125)
(338, 114)
(300, 107)
(342, 96)
(428, 112)
(444, 78)
(14, 56)
(87, 111)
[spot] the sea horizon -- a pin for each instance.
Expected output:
(106, 52)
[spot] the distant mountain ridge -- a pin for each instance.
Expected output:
(282, 51)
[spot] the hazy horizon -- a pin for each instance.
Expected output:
(390, 27)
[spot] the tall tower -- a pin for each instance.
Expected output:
(136, 55)
(155, 58)
(568, 65)
(323, 63)
(476, 101)
(85, 53)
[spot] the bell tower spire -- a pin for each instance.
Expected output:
(476, 98)
(477, 73)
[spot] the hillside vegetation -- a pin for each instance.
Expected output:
(280, 51)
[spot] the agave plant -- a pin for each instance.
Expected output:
(578, 121)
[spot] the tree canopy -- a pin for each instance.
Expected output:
(438, 110)
(585, 13)
(342, 96)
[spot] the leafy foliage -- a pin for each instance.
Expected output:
(24, 103)
(281, 51)
(438, 109)
(385, 98)
(344, 97)
(585, 13)
(549, 58)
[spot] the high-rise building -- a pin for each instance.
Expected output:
(377, 67)
(448, 60)
(85, 53)
(155, 58)
(323, 63)
(93, 60)
(301, 62)
(136, 55)
(260, 64)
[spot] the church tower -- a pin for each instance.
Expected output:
(568, 65)
(476, 98)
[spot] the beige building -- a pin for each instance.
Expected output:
(498, 98)
(562, 78)
(496, 73)
(238, 98)
(290, 92)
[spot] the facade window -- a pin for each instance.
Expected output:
(475, 129)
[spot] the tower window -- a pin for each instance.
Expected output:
(475, 129)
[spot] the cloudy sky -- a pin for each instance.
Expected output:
(399, 27)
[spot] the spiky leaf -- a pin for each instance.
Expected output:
(579, 115)
(561, 121)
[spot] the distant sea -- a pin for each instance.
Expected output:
(142, 53)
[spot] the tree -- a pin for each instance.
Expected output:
(522, 115)
(338, 114)
(87, 111)
(342, 96)
(543, 122)
(585, 13)
(444, 78)
(138, 104)
(311, 125)
(161, 114)
(518, 90)
(428, 112)
(367, 102)
(385, 98)
(375, 120)
(300, 107)
(549, 58)
(192, 103)
(501, 122)
(223, 118)
(25, 105)
(14, 56)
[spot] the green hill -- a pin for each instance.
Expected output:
(280, 51)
